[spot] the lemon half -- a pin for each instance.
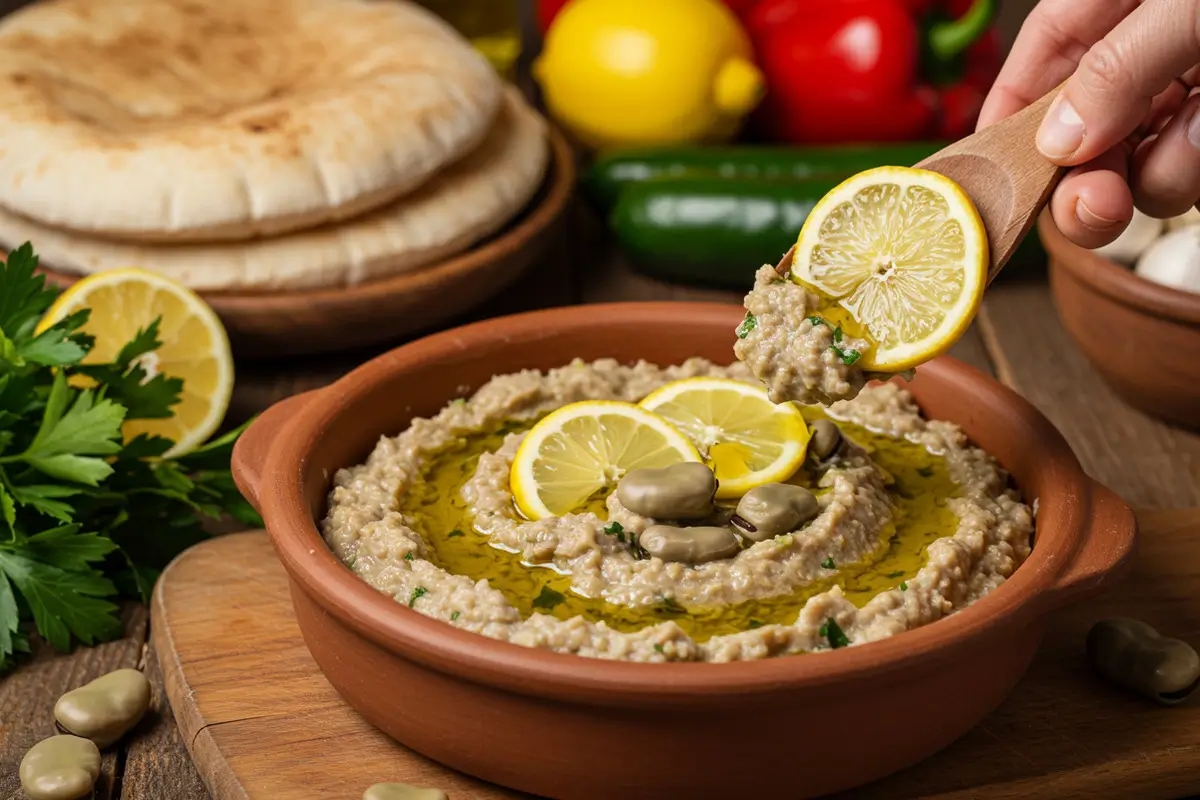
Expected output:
(194, 346)
(578, 451)
(747, 439)
(904, 252)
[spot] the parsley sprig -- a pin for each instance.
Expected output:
(85, 516)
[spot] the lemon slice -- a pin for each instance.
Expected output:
(194, 346)
(748, 440)
(904, 252)
(582, 449)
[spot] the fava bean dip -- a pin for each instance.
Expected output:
(911, 522)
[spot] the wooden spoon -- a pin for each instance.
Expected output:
(1003, 173)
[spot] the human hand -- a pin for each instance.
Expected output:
(1125, 121)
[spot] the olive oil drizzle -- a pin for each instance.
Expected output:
(920, 485)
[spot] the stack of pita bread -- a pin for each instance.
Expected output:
(254, 145)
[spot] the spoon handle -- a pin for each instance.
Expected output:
(1005, 176)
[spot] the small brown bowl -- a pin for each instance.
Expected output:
(579, 728)
(1142, 337)
(275, 324)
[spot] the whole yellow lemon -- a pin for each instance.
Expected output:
(647, 72)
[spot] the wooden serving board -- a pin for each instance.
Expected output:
(262, 723)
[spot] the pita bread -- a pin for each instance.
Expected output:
(197, 120)
(468, 201)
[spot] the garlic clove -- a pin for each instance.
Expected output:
(1189, 217)
(1133, 241)
(1174, 260)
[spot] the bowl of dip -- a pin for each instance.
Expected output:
(385, 493)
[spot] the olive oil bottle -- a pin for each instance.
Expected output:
(492, 26)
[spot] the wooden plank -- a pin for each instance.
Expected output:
(28, 695)
(1145, 461)
(222, 619)
(157, 764)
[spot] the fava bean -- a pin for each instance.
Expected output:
(689, 545)
(680, 491)
(773, 509)
(1134, 655)
(825, 439)
(60, 768)
(402, 791)
(105, 709)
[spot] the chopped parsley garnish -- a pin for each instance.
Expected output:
(416, 595)
(616, 529)
(547, 598)
(668, 605)
(748, 324)
(454, 615)
(828, 563)
(453, 533)
(350, 562)
(848, 357)
(833, 633)
(925, 472)
(658, 648)
(408, 556)
(458, 401)
(904, 586)
(896, 574)
(778, 281)
(755, 623)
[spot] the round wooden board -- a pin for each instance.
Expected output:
(268, 325)
(262, 723)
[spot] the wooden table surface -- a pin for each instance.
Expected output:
(1017, 337)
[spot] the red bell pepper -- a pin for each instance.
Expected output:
(872, 70)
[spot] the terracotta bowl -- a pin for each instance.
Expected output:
(1142, 337)
(270, 325)
(584, 729)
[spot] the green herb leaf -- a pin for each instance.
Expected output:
(837, 333)
(454, 533)
(547, 598)
(815, 320)
(416, 595)
(613, 528)
(454, 615)
(668, 605)
(904, 586)
(848, 356)
(67, 549)
(63, 603)
(828, 563)
(408, 556)
(658, 648)
(833, 633)
(10, 618)
(748, 324)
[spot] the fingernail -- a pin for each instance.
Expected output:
(1092, 220)
(1061, 132)
(1193, 129)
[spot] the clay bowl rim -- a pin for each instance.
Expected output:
(557, 186)
(1116, 282)
(1065, 517)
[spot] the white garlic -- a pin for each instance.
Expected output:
(1190, 217)
(1174, 260)
(1134, 240)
